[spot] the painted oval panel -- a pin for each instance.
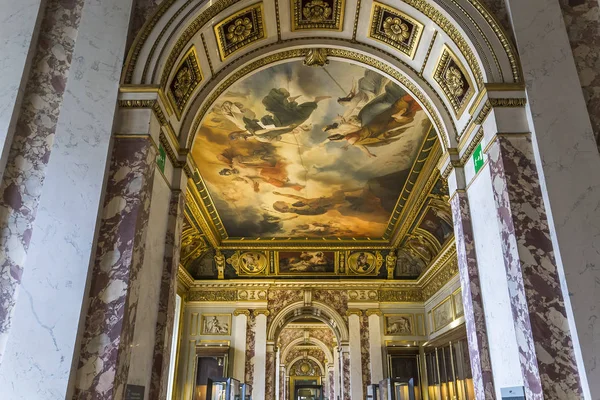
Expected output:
(298, 151)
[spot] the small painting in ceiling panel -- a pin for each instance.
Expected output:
(317, 14)
(186, 79)
(452, 77)
(249, 263)
(241, 29)
(364, 263)
(395, 28)
(306, 262)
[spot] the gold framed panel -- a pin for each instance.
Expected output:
(395, 28)
(187, 78)
(457, 302)
(240, 29)
(215, 324)
(317, 14)
(364, 263)
(250, 263)
(294, 379)
(399, 324)
(442, 314)
(454, 80)
(305, 265)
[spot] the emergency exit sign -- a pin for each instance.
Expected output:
(478, 158)
(162, 158)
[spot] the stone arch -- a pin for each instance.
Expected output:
(467, 29)
(328, 354)
(295, 360)
(316, 310)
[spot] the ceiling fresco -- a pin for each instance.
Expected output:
(296, 151)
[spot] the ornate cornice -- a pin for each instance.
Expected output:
(212, 295)
(184, 278)
(498, 103)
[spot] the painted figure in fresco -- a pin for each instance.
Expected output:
(371, 85)
(286, 116)
(316, 206)
(380, 121)
(362, 263)
(308, 261)
(260, 166)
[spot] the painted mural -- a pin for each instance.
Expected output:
(300, 151)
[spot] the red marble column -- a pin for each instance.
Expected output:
(543, 336)
(110, 319)
(479, 351)
(23, 178)
(166, 306)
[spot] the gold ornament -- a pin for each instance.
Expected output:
(396, 29)
(317, 11)
(240, 30)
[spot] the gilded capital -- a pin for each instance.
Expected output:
(374, 312)
(354, 311)
(241, 312)
(260, 311)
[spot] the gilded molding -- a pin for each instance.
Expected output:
(395, 28)
(185, 81)
(354, 311)
(454, 81)
(241, 312)
(317, 14)
(374, 311)
(435, 33)
(471, 147)
(498, 103)
(184, 278)
(240, 30)
(400, 296)
(316, 57)
(212, 295)
(442, 277)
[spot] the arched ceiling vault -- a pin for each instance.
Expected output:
(248, 89)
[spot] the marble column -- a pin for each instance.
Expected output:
(42, 340)
(375, 345)
(250, 350)
(260, 355)
(19, 27)
(365, 352)
(565, 155)
(356, 373)
(271, 372)
(239, 344)
(103, 367)
(31, 145)
(544, 339)
(167, 299)
(346, 374)
(330, 381)
(479, 351)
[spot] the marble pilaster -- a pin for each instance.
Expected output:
(30, 150)
(365, 352)
(346, 375)
(42, 339)
(270, 372)
(110, 320)
(330, 381)
(355, 354)
(544, 339)
(565, 155)
(337, 367)
(477, 338)
(281, 383)
(250, 350)
(375, 345)
(19, 25)
(167, 299)
(259, 359)
(239, 344)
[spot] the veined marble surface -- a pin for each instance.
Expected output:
(566, 158)
(356, 374)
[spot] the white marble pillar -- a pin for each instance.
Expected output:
(567, 160)
(47, 314)
(260, 354)
(356, 383)
(375, 345)
(240, 324)
(19, 25)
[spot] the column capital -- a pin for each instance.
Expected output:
(374, 311)
(261, 311)
(240, 311)
(354, 311)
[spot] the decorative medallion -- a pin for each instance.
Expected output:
(454, 81)
(317, 14)
(186, 79)
(239, 30)
(250, 263)
(365, 263)
(395, 28)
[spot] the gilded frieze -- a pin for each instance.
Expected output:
(454, 81)
(395, 28)
(186, 79)
(213, 295)
(239, 30)
(400, 296)
(317, 14)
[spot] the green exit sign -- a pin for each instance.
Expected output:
(162, 158)
(478, 158)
